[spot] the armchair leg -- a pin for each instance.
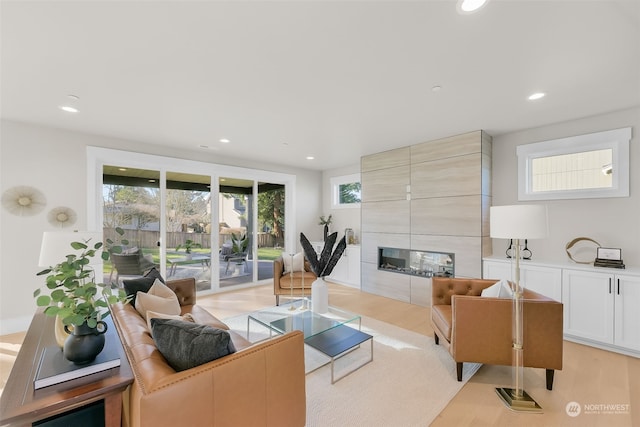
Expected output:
(277, 299)
(550, 373)
(436, 338)
(459, 370)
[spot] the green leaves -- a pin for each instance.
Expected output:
(74, 295)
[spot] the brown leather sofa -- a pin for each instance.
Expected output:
(282, 283)
(478, 329)
(259, 385)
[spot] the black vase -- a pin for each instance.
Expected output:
(84, 343)
(326, 232)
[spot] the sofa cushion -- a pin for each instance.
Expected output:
(154, 274)
(186, 345)
(297, 264)
(159, 298)
(133, 286)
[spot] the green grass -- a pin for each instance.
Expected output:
(269, 254)
(265, 254)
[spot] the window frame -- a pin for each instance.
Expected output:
(336, 182)
(617, 140)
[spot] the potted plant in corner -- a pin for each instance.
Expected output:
(188, 245)
(326, 223)
(75, 299)
(322, 266)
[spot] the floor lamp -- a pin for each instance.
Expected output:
(518, 222)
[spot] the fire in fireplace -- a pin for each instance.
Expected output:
(416, 262)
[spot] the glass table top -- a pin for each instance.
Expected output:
(283, 318)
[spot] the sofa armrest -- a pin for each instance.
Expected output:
(262, 385)
(482, 331)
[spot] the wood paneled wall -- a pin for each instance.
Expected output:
(432, 196)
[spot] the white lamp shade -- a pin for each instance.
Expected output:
(56, 245)
(519, 222)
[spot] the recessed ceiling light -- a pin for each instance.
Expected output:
(69, 109)
(436, 88)
(152, 180)
(225, 140)
(310, 157)
(535, 96)
(204, 146)
(122, 169)
(469, 6)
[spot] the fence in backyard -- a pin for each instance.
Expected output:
(149, 239)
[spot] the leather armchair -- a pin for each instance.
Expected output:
(478, 329)
(282, 283)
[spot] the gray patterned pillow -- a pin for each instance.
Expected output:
(186, 345)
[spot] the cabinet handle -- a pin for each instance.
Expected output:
(609, 284)
(618, 286)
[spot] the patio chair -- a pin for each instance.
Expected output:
(132, 263)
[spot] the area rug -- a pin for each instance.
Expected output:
(409, 382)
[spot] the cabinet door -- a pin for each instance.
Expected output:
(543, 280)
(627, 308)
(588, 305)
(496, 270)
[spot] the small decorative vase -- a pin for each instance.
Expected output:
(326, 232)
(84, 343)
(189, 256)
(60, 332)
(319, 296)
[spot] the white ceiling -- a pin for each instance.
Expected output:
(330, 79)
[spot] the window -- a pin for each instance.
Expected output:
(346, 191)
(577, 167)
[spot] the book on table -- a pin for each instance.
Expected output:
(54, 368)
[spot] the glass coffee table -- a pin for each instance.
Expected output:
(334, 333)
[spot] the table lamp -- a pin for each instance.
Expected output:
(518, 222)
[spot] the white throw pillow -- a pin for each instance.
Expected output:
(298, 262)
(505, 290)
(492, 291)
(159, 298)
(501, 289)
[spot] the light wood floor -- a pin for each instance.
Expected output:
(589, 377)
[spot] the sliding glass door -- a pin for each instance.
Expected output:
(188, 228)
(223, 235)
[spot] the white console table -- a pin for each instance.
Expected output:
(601, 305)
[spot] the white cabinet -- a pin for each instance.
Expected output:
(602, 307)
(543, 280)
(588, 305)
(347, 270)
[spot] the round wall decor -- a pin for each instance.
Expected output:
(23, 200)
(62, 216)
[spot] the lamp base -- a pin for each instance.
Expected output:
(522, 404)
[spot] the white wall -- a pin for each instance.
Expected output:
(612, 222)
(344, 217)
(54, 162)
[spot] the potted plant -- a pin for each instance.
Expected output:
(188, 245)
(326, 223)
(322, 266)
(240, 243)
(79, 301)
